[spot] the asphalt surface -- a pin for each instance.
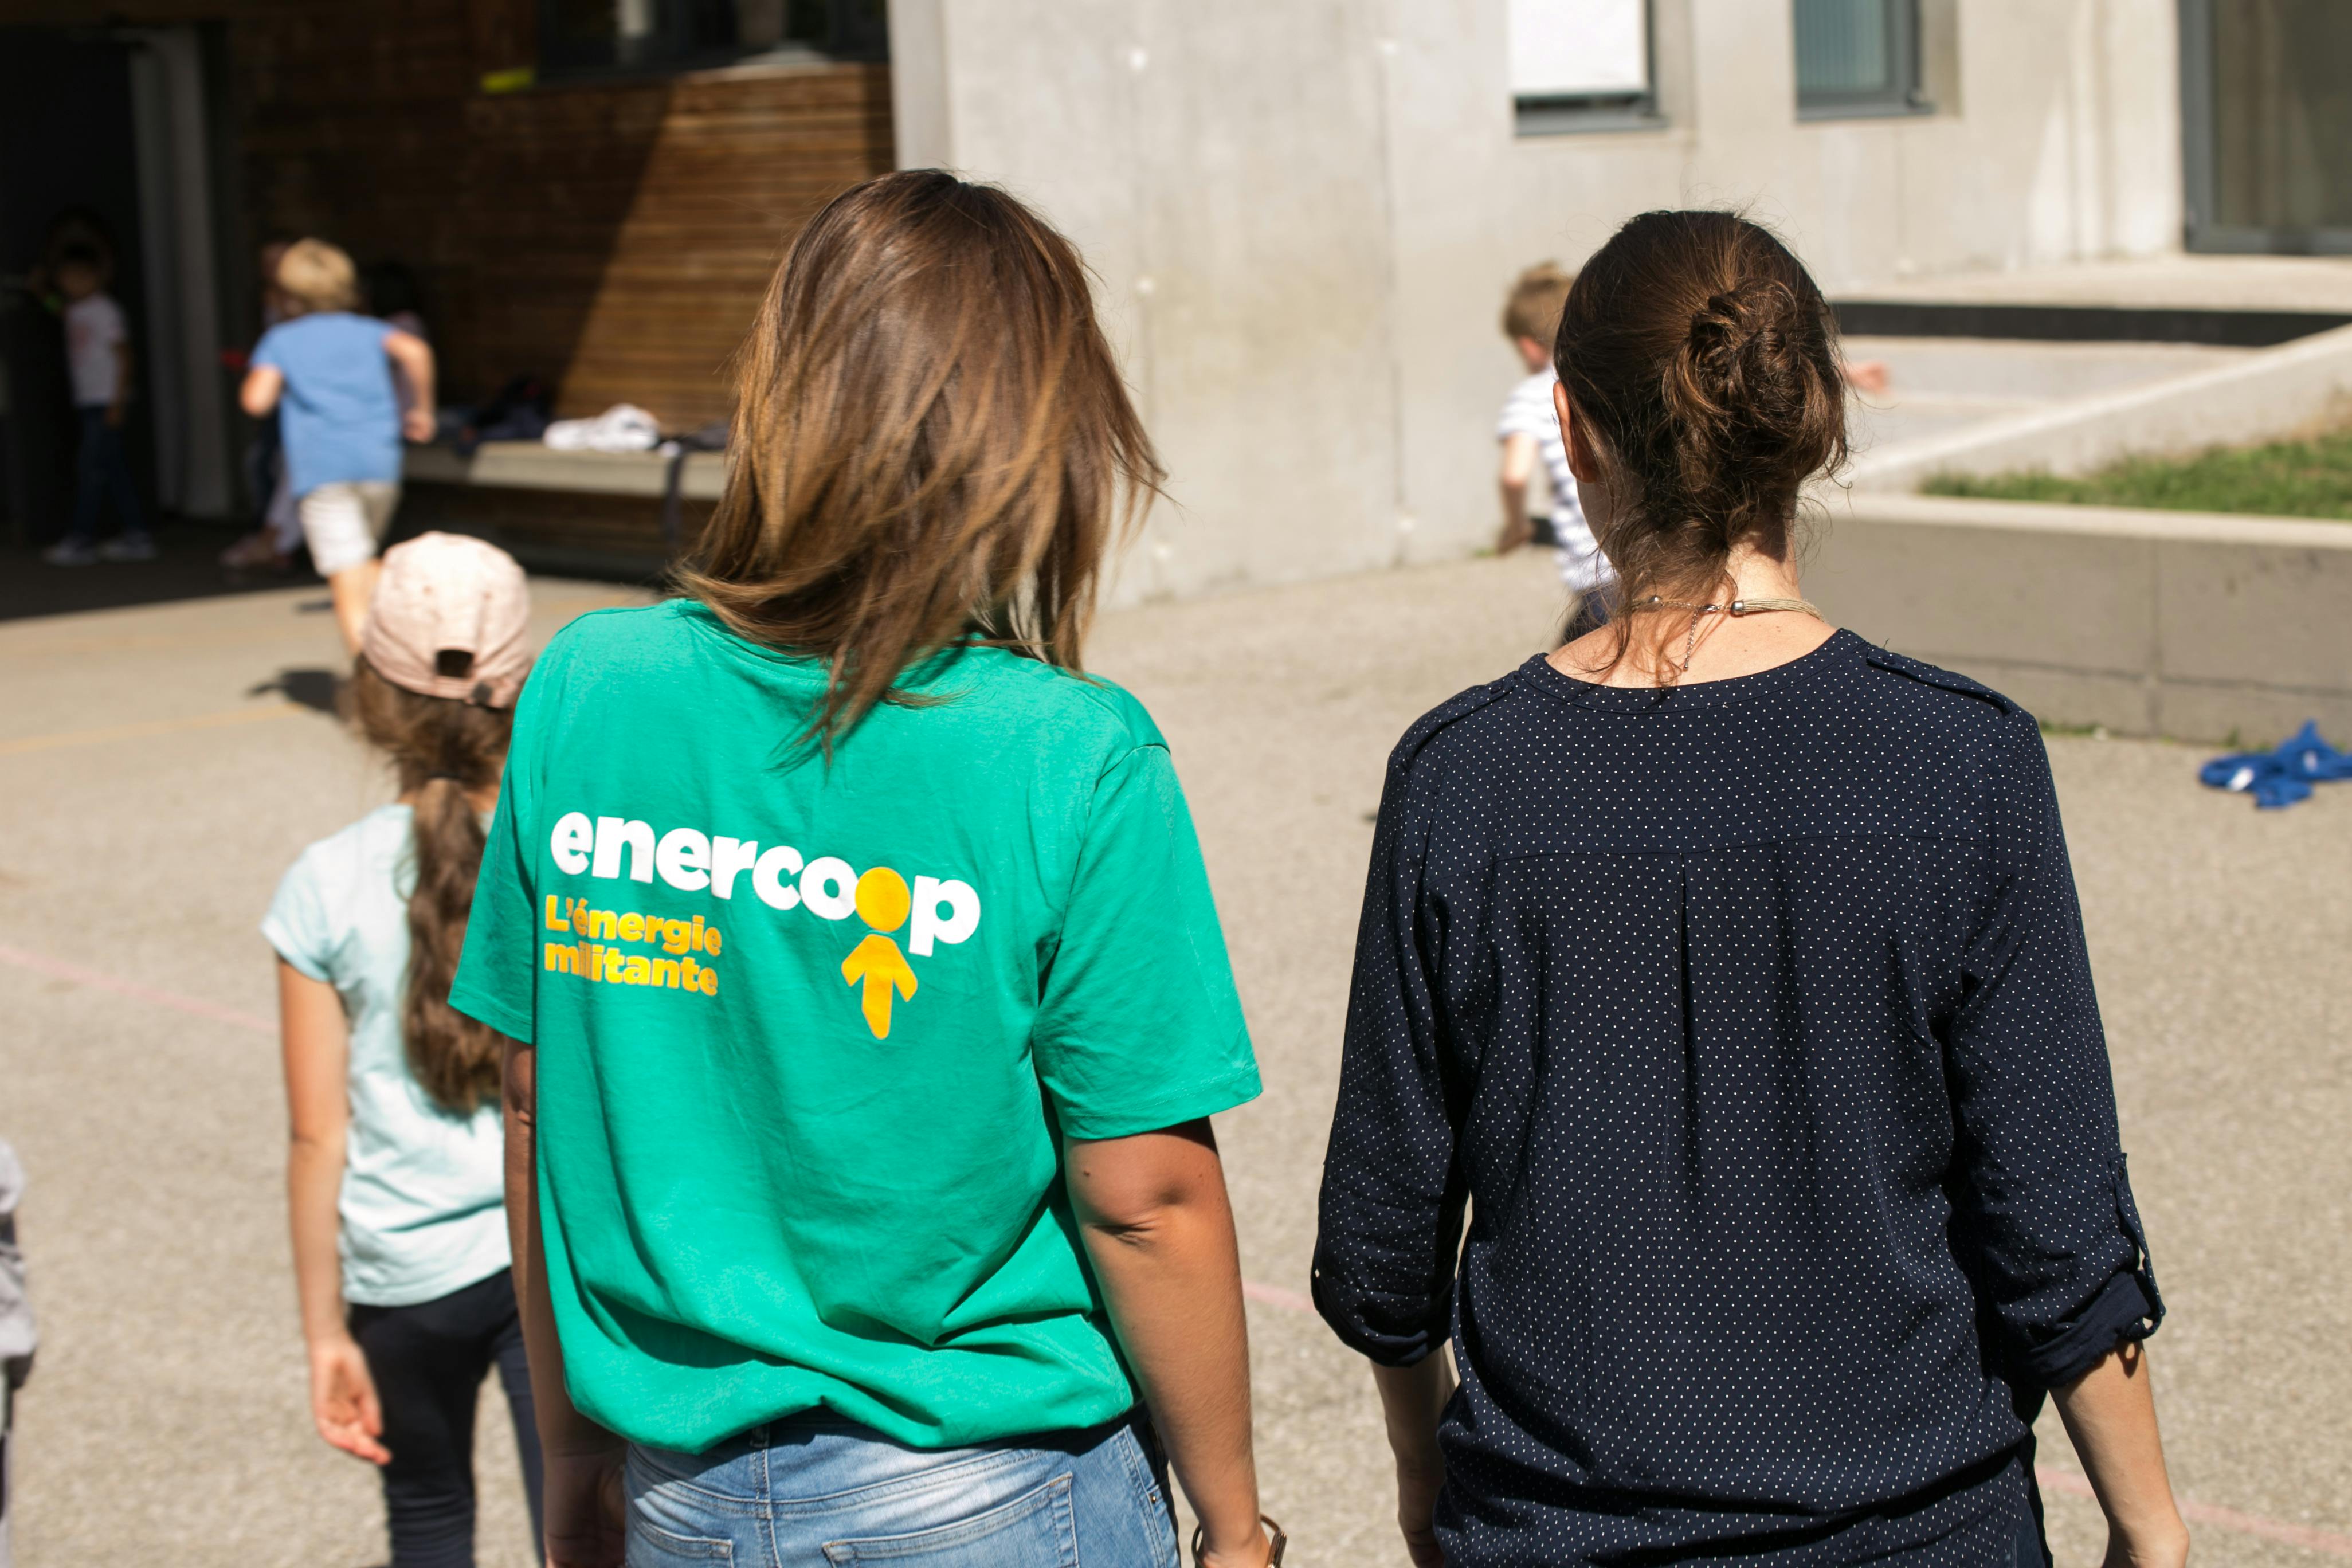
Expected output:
(155, 779)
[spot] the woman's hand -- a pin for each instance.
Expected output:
(342, 1399)
(587, 1509)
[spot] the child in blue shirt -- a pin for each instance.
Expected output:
(327, 371)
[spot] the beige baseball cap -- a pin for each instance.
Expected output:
(448, 619)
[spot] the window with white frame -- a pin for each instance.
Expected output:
(1581, 64)
(1857, 57)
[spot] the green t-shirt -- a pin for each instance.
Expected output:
(808, 1034)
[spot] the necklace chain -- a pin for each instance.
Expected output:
(1736, 608)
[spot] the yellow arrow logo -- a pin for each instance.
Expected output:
(883, 903)
(878, 962)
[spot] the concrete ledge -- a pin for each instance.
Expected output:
(2262, 397)
(528, 465)
(2182, 624)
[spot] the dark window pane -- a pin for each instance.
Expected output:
(2282, 114)
(1845, 49)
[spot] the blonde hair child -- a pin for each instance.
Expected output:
(329, 371)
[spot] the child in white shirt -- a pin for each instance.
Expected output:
(98, 351)
(1530, 434)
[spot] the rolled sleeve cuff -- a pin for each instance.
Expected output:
(2124, 1309)
(1372, 1325)
(289, 947)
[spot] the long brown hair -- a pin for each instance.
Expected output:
(1699, 352)
(932, 440)
(441, 749)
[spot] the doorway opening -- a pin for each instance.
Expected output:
(110, 141)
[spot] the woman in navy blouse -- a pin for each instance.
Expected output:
(1728, 969)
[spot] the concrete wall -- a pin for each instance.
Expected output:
(2277, 393)
(1304, 215)
(2177, 624)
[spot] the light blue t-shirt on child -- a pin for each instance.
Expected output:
(340, 415)
(422, 1201)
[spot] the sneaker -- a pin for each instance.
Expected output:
(71, 552)
(254, 549)
(129, 547)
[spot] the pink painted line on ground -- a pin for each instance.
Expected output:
(2302, 1535)
(58, 969)
(1275, 1296)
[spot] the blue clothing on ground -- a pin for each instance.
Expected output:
(340, 415)
(2278, 779)
(811, 1489)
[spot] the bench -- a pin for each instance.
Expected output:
(592, 513)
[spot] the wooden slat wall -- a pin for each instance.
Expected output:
(612, 236)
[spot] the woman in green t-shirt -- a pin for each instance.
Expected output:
(868, 1000)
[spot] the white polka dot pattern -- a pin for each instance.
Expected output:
(1754, 1024)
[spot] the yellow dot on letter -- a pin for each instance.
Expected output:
(883, 900)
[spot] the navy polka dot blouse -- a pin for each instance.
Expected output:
(1753, 1025)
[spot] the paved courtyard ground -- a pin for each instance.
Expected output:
(159, 767)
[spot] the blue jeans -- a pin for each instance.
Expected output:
(809, 1494)
(102, 472)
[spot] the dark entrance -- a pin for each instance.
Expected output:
(68, 162)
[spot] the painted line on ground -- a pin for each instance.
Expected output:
(1275, 1296)
(150, 727)
(58, 969)
(2061, 1482)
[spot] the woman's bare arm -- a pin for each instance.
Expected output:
(316, 1044)
(1160, 1230)
(582, 1496)
(2110, 1414)
(1411, 1399)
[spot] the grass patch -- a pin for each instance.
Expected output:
(2286, 479)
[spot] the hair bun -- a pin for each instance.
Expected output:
(1739, 339)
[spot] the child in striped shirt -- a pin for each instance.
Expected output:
(1530, 434)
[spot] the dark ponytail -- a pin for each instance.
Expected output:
(442, 749)
(1702, 356)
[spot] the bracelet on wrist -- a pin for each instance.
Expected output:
(1274, 1558)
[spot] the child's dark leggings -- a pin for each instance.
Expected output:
(428, 1362)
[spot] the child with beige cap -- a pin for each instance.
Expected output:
(394, 1177)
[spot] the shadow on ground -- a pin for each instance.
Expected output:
(186, 566)
(317, 689)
